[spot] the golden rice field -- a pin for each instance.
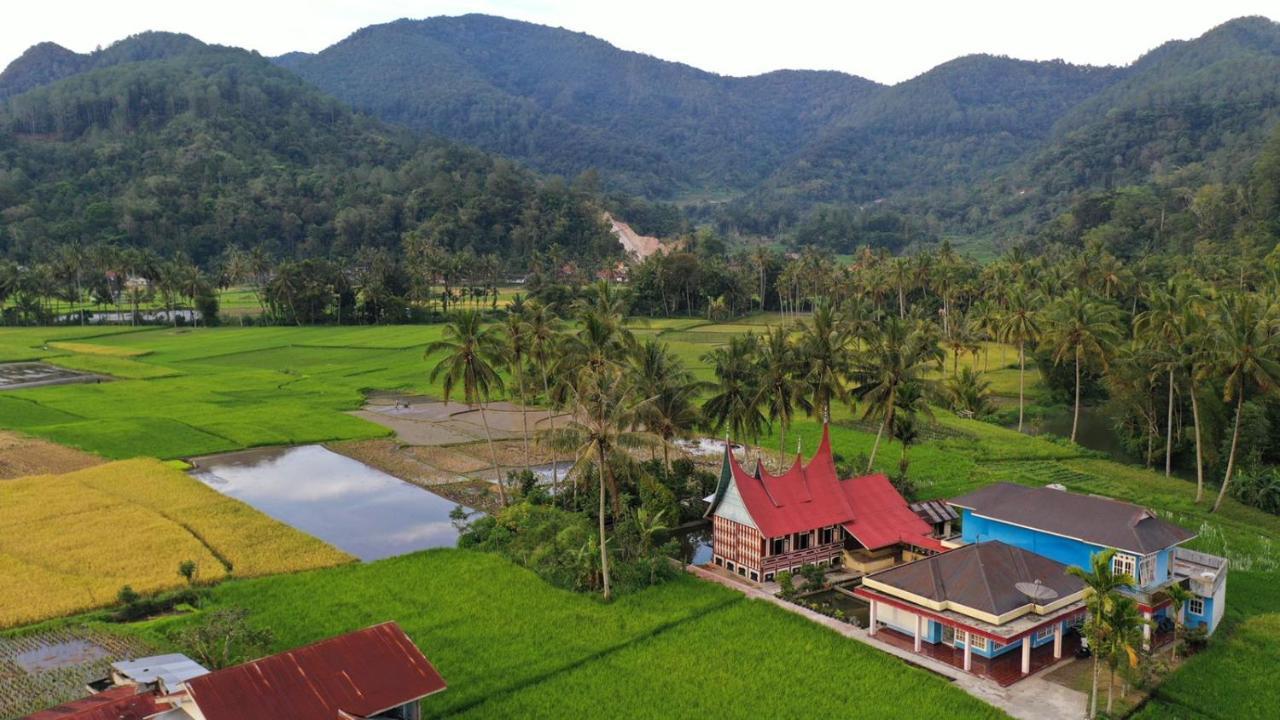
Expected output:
(69, 542)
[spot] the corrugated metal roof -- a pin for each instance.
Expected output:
(1096, 520)
(983, 576)
(173, 669)
(362, 673)
(934, 511)
(811, 496)
(117, 703)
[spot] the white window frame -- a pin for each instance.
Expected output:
(1124, 564)
(977, 642)
(1192, 603)
(1045, 632)
(1147, 571)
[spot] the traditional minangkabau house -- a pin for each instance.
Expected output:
(372, 673)
(763, 524)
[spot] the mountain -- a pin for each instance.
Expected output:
(199, 148)
(566, 102)
(49, 62)
(979, 147)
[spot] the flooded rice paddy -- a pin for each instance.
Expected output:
(35, 374)
(342, 501)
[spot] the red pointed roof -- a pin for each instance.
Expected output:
(809, 496)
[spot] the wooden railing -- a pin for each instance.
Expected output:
(801, 557)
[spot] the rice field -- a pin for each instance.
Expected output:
(509, 645)
(69, 542)
(43, 669)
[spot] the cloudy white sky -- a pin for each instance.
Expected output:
(884, 41)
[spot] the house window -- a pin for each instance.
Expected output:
(754, 576)
(729, 565)
(828, 535)
(1195, 606)
(802, 541)
(978, 642)
(1045, 633)
(1123, 564)
(778, 546)
(768, 577)
(1148, 570)
(720, 561)
(742, 571)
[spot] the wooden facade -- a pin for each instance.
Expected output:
(743, 550)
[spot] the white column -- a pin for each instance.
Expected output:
(1026, 654)
(919, 631)
(1146, 631)
(968, 652)
(1057, 641)
(871, 619)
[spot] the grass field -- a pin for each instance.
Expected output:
(509, 645)
(70, 542)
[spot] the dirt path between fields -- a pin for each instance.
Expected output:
(21, 455)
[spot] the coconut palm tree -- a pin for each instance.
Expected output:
(735, 406)
(1102, 583)
(901, 352)
(1164, 327)
(471, 350)
(1020, 325)
(969, 393)
(1124, 623)
(825, 343)
(781, 389)
(1247, 355)
(604, 403)
(1077, 325)
(1179, 596)
(671, 411)
(902, 276)
(543, 331)
(515, 337)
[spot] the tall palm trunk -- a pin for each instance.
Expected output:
(782, 446)
(1075, 418)
(1022, 374)
(1111, 690)
(524, 414)
(1231, 459)
(880, 433)
(551, 422)
(1195, 420)
(493, 454)
(902, 303)
(1168, 438)
(604, 553)
(1093, 694)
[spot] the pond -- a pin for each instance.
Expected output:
(34, 374)
(342, 501)
(695, 542)
(840, 599)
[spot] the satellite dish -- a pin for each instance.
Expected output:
(1036, 591)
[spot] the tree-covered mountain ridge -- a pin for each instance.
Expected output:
(194, 149)
(981, 146)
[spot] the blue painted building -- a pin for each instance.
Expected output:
(1070, 528)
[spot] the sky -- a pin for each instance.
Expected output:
(884, 41)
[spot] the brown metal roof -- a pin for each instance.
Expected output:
(1095, 520)
(117, 703)
(983, 576)
(361, 674)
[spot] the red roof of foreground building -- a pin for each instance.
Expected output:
(809, 496)
(117, 703)
(355, 675)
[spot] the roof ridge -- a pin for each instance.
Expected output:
(982, 573)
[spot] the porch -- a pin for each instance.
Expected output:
(1004, 670)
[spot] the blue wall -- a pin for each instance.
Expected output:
(1054, 547)
(933, 634)
(1194, 620)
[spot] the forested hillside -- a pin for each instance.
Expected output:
(988, 150)
(981, 146)
(566, 102)
(210, 148)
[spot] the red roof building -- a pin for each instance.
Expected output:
(373, 673)
(117, 703)
(764, 523)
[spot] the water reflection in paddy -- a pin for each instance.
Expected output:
(342, 501)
